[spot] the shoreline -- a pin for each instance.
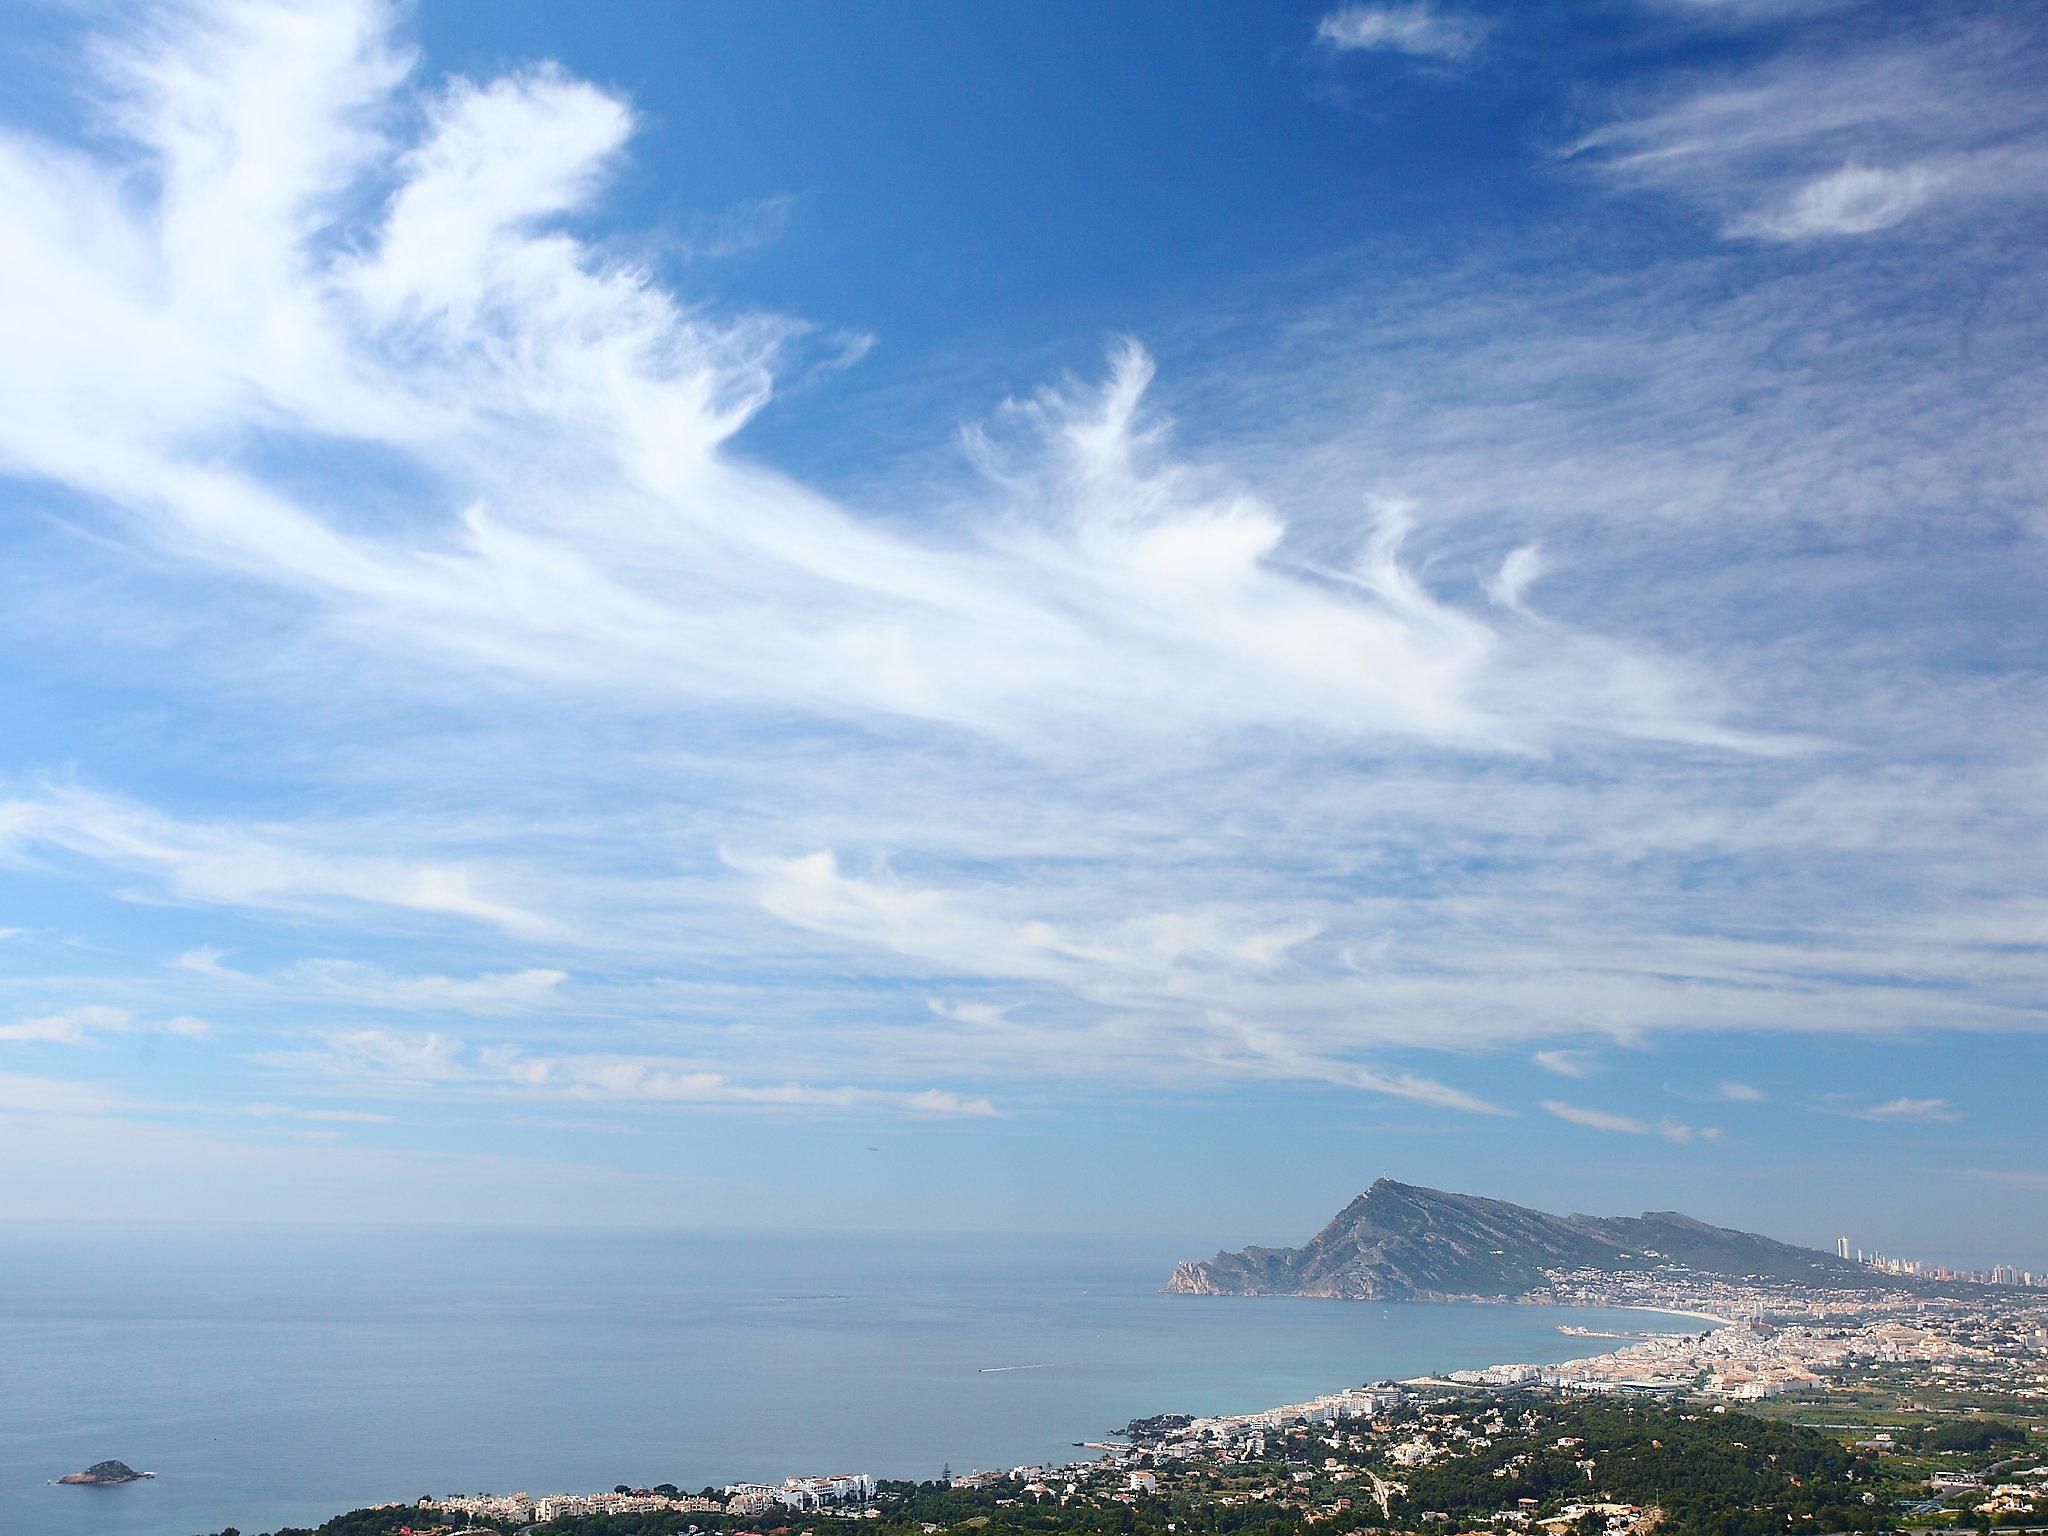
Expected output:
(1705, 1317)
(1113, 1447)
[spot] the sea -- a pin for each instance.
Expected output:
(272, 1377)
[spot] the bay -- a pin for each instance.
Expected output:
(276, 1376)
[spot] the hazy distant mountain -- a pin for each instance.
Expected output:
(1402, 1241)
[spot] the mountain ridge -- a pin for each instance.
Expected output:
(1409, 1242)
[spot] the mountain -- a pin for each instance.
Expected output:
(1400, 1241)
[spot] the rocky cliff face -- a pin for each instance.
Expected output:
(1400, 1241)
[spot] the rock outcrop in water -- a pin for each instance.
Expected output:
(105, 1473)
(1403, 1242)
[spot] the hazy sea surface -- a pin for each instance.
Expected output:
(276, 1377)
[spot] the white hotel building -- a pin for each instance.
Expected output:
(802, 1492)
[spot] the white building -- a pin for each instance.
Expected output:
(818, 1492)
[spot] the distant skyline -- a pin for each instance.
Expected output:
(1026, 617)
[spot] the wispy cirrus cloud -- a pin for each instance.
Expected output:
(742, 227)
(239, 865)
(1102, 573)
(1684, 1135)
(1928, 1111)
(364, 984)
(1181, 969)
(1407, 707)
(379, 1062)
(87, 1023)
(1596, 1119)
(1418, 27)
(1818, 141)
(1727, 1091)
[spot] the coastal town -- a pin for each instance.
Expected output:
(1906, 1410)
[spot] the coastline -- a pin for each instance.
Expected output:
(1705, 1317)
(1115, 1450)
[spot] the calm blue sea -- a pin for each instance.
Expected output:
(276, 1377)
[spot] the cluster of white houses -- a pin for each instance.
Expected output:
(797, 1493)
(526, 1509)
(1354, 1403)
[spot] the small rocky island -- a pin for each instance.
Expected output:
(103, 1474)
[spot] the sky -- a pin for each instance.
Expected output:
(1027, 616)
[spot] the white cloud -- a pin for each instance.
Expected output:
(811, 891)
(1520, 570)
(1417, 28)
(974, 1015)
(379, 1055)
(1684, 1135)
(1739, 1093)
(81, 1025)
(1579, 1064)
(1421, 1090)
(1597, 1119)
(945, 1103)
(1827, 141)
(233, 865)
(1180, 967)
(370, 1060)
(359, 982)
(1854, 200)
(1630, 1125)
(1220, 764)
(560, 398)
(1909, 1111)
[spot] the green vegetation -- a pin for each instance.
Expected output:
(1156, 1425)
(1712, 1474)
(1968, 1435)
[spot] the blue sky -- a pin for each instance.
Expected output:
(1058, 617)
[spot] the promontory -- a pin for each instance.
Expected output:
(1404, 1242)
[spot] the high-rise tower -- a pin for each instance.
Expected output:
(1841, 1247)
